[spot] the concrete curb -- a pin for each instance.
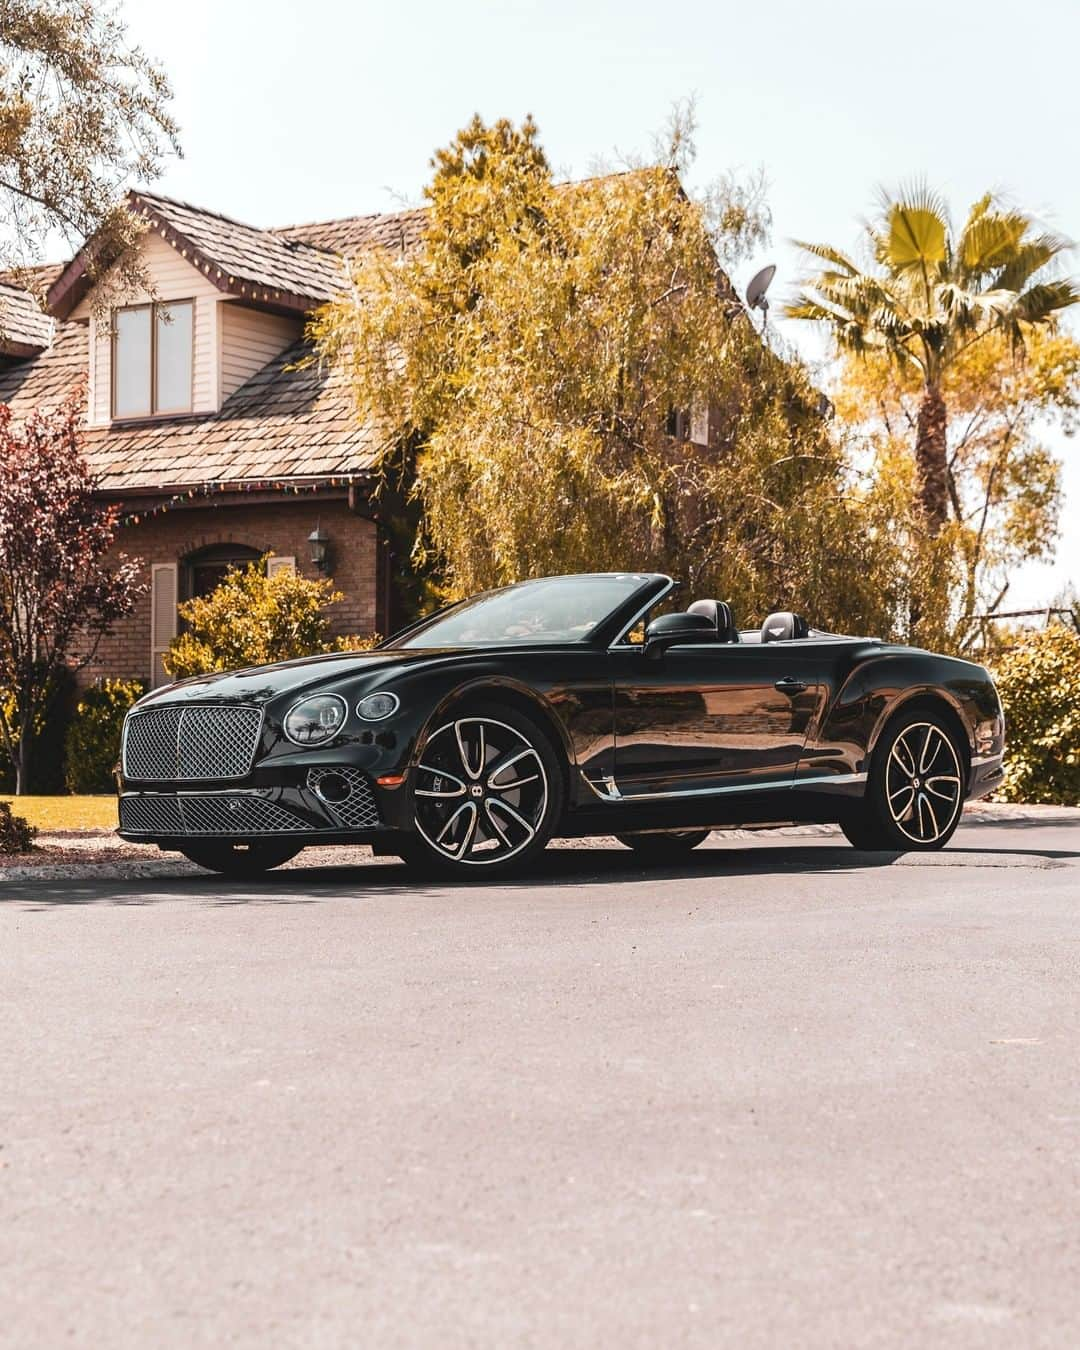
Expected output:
(165, 866)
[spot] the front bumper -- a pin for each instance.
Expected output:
(322, 803)
(986, 775)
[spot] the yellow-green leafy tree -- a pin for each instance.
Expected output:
(535, 365)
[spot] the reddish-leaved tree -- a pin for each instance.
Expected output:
(57, 596)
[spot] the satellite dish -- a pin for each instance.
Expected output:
(759, 284)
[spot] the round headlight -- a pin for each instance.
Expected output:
(375, 707)
(315, 720)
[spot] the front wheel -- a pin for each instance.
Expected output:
(241, 860)
(487, 793)
(663, 846)
(915, 791)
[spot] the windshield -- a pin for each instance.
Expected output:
(555, 609)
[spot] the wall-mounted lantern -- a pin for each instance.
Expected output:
(319, 546)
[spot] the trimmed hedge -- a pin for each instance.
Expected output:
(1039, 684)
(93, 738)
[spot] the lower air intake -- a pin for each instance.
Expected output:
(227, 814)
(347, 793)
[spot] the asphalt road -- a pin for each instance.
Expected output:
(782, 1096)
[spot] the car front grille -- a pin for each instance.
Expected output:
(188, 743)
(229, 814)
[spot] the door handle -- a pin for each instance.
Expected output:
(790, 685)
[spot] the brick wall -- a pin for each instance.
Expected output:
(280, 527)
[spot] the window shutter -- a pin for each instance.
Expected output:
(699, 424)
(163, 600)
(274, 565)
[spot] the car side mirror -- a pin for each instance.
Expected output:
(670, 629)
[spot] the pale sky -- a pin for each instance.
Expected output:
(293, 112)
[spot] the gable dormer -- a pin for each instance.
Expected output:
(224, 300)
(155, 355)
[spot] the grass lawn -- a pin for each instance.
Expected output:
(66, 813)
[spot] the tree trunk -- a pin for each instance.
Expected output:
(931, 459)
(22, 766)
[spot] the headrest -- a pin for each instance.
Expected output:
(719, 613)
(783, 626)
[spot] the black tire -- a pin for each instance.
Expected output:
(915, 791)
(664, 847)
(241, 860)
(471, 820)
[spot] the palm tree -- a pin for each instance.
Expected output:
(928, 294)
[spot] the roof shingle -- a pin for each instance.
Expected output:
(25, 328)
(284, 423)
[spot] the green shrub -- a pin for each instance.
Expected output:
(1039, 684)
(93, 738)
(16, 834)
(252, 619)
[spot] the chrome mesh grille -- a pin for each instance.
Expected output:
(358, 810)
(234, 814)
(184, 744)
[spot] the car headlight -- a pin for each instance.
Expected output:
(376, 707)
(315, 720)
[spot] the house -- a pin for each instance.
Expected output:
(199, 424)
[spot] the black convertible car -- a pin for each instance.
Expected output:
(565, 706)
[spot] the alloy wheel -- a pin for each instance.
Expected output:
(481, 791)
(923, 784)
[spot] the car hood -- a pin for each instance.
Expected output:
(260, 684)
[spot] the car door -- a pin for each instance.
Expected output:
(711, 717)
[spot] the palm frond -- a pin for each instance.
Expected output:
(917, 238)
(988, 242)
(1041, 302)
(828, 254)
(1031, 257)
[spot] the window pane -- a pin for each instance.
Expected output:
(131, 358)
(174, 358)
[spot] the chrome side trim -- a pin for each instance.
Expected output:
(613, 793)
(978, 761)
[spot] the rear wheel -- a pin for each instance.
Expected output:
(486, 795)
(241, 860)
(663, 846)
(915, 791)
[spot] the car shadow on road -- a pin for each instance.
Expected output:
(556, 867)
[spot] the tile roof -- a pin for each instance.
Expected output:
(281, 424)
(245, 253)
(264, 266)
(25, 328)
(398, 229)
